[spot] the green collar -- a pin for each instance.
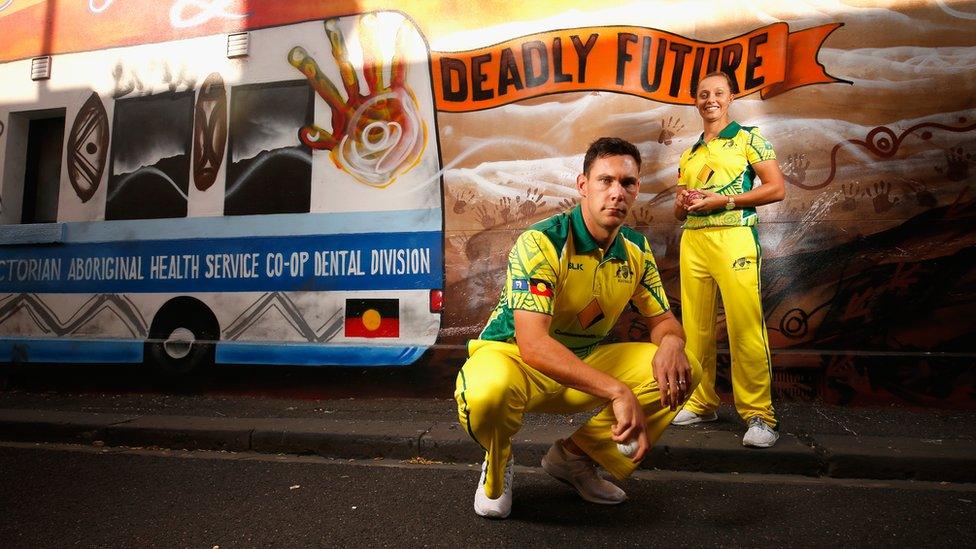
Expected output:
(585, 242)
(728, 132)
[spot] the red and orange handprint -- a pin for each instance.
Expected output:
(376, 136)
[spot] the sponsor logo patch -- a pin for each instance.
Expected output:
(624, 273)
(520, 285)
(741, 264)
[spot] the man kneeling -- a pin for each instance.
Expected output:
(568, 279)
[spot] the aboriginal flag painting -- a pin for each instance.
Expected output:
(372, 318)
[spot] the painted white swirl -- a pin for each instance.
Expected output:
(206, 11)
(954, 12)
(260, 160)
(143, 170)
(381, 150)
(6, 4)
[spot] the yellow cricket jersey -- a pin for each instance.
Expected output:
(558, 269)
(724, 166)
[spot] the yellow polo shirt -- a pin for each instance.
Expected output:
(724, 166)
(557, 268)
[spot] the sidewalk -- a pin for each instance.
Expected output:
(816, 440)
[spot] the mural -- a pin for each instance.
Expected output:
(375, 136)
(209, 131)
(269, 169)
(485, 108)
(150, 159)
(87, 148)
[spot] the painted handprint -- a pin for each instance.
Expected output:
(568, 203)
(462, 199)
(484, 216)
(922, 194)
(881, 197)
(642, 215)
(377, 136)
(795, 169)
(505, 208)
(957, 164)
(669, 129)
(850, 197)
(527, 207)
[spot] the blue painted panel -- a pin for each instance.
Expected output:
(38, 233)
(257, 225)
(70, 350)
(131, 351)
(315, 354)
(328, 262)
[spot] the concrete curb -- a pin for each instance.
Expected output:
(835, 456)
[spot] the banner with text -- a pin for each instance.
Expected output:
(649, 63)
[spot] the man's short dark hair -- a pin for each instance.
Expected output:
(723, 74)
(609, 146)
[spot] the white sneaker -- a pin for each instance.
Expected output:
(759, 434)
(495, 508)
(687, 417)
(580, 473)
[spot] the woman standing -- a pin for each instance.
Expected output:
(717, 199)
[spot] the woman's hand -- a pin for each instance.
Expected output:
(707, 202)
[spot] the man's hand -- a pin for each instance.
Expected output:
(672, 371)
(545, 354)
(630, 423)
(670, 364)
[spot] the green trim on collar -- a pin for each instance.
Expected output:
(618, 249)
(584, 241)
(728, 132)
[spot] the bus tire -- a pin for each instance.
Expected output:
(182, 337)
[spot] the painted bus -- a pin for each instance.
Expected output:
(271, 196)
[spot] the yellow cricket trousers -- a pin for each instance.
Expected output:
(495, 388)
(726, 260)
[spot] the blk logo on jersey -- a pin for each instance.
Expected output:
(520, 285)
(372, 318)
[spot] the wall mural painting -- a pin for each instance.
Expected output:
(47, 319)
(155, 78)
(868, 263)
(870, 255)
(150, 157)
(209, 131)
(269, 169)
(376, 136)
(88, 148)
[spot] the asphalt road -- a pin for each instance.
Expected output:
(57, 496)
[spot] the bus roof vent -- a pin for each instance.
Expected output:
(237, 44)
(41, 68)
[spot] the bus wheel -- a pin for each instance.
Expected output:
(182, 337)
